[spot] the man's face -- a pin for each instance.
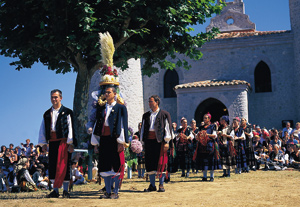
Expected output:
(193, 124)
(55, 98)
(27, 141)
(206, 119)
(258, 129)
(243, 121)
(288, 125)
(184, 123)
(174, 125)
(152, 104)
(109, 94)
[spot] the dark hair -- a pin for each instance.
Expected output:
(156, 98)
(56, 90)
(73, 163)
(113, 88)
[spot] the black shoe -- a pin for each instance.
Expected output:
(105, 196)
(53, 194)
(103, 190)
(167, 180)
(224, 175)
(114, 196)
(151, 188)
(182, 175)
(228, 176)
(204, 179)
(66, 194)
(161, 188)
(211, 180)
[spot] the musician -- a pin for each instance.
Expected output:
(227, 150)
(184, 146)
(249, 150)
(207, 155)
(239, 137)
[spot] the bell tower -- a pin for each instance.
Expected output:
(295, 27)
(232, 18)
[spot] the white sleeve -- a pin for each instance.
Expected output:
(70, 135)
(42, 134)
(243, 135)
(192, 135)
(232, 134)
(168, 135)
(95, 140)
(121, 138)
(251, 134)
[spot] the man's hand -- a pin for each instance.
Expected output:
(96, 149)
(120, 147)
(71, 148)
(166, 147)
(90, 130)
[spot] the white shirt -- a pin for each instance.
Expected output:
(153, 116)
(42, 133)
(95, 140)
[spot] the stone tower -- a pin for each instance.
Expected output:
(131, 87)
(232, 18)
(295, 26)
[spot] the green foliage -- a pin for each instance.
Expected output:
(64, 34)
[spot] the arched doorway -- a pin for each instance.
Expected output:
(215, 107)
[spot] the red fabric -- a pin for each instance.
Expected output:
(122, 167)
(61, 165)
(163, 160)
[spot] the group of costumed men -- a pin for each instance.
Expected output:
(207, 148)
(214, 146)
(108, 126)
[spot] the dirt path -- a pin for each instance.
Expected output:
(252, 189)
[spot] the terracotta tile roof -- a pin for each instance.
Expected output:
(210, 83)
(249, 33)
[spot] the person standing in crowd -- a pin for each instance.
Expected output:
(239, 137)
(109, 138)
(57, 131)
(156, 134)
(195, 131)
(249, 150)
(287, 129)
(184, 147)
(141, 156)
(207, 155)
(227, 150)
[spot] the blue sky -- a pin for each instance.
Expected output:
(25, 94)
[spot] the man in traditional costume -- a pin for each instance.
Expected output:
(57, 131)
(184, 147)
(239, 143)
(109, 125)
(249, 150)
(157, 136)
(195, 131)
(207, 153)
(227, 150)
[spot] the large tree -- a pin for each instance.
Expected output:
(63, 35)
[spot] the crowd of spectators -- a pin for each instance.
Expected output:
(25, 168)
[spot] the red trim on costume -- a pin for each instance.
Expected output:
(61, 164)
(162, 161)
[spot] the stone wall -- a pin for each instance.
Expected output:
(236, 59)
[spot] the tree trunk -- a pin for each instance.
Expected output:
(80, 104)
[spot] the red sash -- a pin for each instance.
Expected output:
(62, 160)
(162, 161)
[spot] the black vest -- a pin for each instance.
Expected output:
(159, 124)
(61, 126)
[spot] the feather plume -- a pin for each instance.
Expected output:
(107, 49)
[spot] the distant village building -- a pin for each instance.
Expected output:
(243, 72)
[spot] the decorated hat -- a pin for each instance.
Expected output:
(110, 75)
